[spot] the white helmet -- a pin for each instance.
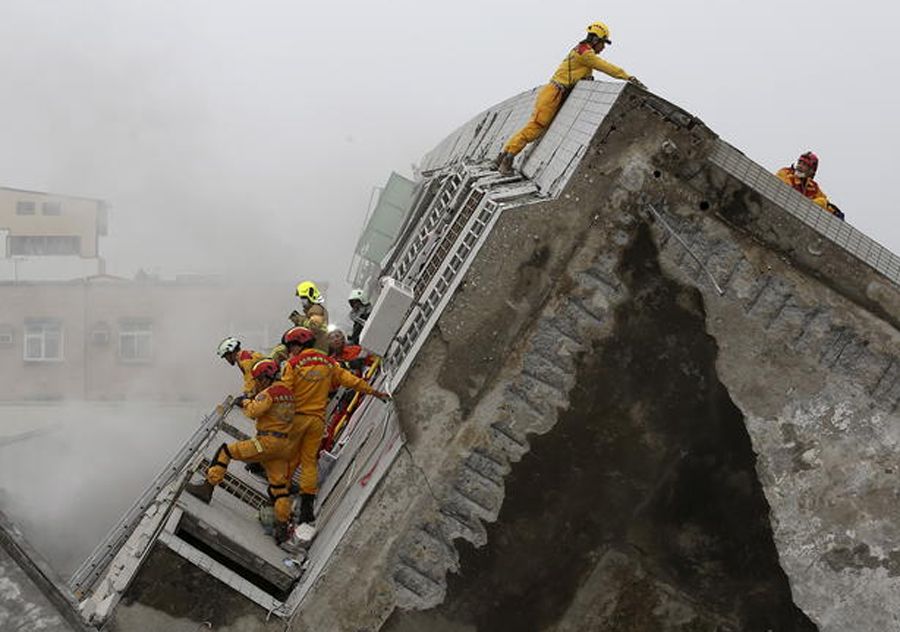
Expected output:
(228, 345)
(356, 295)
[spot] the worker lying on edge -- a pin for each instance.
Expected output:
(244, 359)
(314, 316)
(273, 410)
(312, 375)
(799, 177)
(579, 64)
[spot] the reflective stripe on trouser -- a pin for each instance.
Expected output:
(273, 454)
(306, 435)
(545, 108)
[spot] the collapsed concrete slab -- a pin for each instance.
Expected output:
(645, 386)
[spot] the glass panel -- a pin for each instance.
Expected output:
(52, 344)
(33, 347)
(24, 207)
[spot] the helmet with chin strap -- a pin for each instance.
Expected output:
(600, 30)
(810, 161)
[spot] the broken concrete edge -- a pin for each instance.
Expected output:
(456, 503)
(805, 247)
(416, 577)
(39, 571)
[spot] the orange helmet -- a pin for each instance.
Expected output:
(297, 335)
(265, 368)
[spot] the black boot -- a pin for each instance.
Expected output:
(281, 532)
(505, 164)
(257, 469)
(203, 491)
(306, 515)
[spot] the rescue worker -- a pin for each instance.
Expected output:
(314, 316)
(800, 177)
(312, 375)
(351, 357)
(359, 314)
(273, 410)
(579, 64)
(244, 359)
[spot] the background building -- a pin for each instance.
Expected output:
(69, 331)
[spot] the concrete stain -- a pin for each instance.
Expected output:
(652, 461)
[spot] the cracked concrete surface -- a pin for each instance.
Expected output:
(804, 358)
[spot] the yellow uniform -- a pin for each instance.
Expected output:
(811, 190)
(316, 320)
(245, 361)
(579, 64)
(311, 376)
(273, 410)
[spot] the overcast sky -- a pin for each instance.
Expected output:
(230, 134)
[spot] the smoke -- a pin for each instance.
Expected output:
(68, 486)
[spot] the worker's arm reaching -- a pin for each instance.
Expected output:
(343, 377)
(593, 60)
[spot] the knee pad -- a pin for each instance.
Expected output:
(216, 460)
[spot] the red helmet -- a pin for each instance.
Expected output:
(265, 368)
(810, 160)
(297, 335)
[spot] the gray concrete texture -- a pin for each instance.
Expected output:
(599, 440)
(23, 606)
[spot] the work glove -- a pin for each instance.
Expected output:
(385, 397)
(295, 317)
(637, 82)
(238, 402)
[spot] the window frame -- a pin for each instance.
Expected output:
(29, 334)
(56, 205)
(22, 204)
(40, 245)
(131, 330)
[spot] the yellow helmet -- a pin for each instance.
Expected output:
(600, 30)
(308, 290)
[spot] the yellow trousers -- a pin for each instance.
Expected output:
(548, 102)
(306, 437)
(273, 453)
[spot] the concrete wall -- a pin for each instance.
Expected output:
(599, 440)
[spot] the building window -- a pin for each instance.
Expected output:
(24, 207)
(136, 341)
(29, 245)
(51, 208)
(43, 341)
(6, 336)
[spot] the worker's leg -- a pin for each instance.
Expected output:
(277, 473)
(302, 428)
(546, 106)
(216, 470)
(252, 450)
(308, 452)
